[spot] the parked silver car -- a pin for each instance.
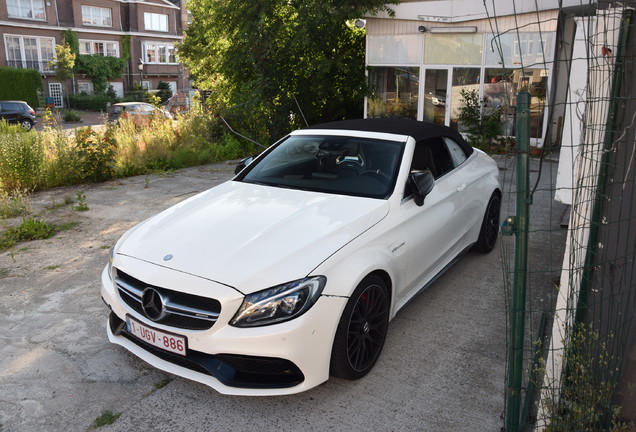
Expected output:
(135, 109)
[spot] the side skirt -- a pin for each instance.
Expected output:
(437, 276)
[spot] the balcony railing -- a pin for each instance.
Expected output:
(40, 66)
(155, 69)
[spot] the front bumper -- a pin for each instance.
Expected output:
(279, 359)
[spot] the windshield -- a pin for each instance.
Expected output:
(334, 164)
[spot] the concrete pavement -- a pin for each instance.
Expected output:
(442, 369)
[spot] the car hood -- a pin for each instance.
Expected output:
(251, 237)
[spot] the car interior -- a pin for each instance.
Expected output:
(353, 166)
(432, 155)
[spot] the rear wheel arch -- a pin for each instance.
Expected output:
(489, 228)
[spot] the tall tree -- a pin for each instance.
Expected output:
(265, 59)
(63, 65)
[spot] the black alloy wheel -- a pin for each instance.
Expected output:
(362, 330)
(490, 225)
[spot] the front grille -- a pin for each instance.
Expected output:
(231, 370)
(184, 311)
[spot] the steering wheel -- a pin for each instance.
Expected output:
(376, 173)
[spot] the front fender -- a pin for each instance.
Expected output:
(345, 269)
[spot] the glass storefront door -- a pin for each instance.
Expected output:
(435, 92)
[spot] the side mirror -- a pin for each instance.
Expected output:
(243, 163)
(423, 182)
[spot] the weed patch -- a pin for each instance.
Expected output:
(81, 205)
(29, 229)
(161, 384)
(106, 418)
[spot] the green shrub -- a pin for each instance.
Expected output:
(25, 84)
(95, 155)
(21, 161)
(164, 91)
(71, 116)
(90, 102)
(10, 128)
(62, 161)
(481, 122)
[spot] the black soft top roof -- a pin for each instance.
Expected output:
(419, 130)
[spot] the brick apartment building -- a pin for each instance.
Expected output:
(32, 28)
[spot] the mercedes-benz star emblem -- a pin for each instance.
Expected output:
(167, 257)
(153, 304)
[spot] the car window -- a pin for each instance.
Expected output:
(456, 152)
(432, 155)
(3, 107)
(332, 164)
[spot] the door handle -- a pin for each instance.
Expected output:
(461, 187)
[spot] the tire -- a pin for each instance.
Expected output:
(489, 226)
(362, 330)
(26, 124)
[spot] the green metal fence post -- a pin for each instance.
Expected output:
(518, 308)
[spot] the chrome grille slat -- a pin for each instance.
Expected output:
(129, 289)
(186, 311)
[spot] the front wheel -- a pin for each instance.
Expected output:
(26, 124)
(489, 226)
(362, 330)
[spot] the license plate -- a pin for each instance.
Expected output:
(166, 341)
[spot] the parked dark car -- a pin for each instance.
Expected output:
(18, 112)
(137, 110)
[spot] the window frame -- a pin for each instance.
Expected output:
(17, 4)
(87, 84)
(42, 60)
(89, 15)
(93, 45)
(153, 49)
(156, 22)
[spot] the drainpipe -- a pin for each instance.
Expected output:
(57, 15)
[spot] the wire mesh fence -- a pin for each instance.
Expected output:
(576, 277)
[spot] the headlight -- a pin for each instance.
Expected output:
(280, 303)
(111, 257)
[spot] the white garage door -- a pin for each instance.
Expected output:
(118, 87)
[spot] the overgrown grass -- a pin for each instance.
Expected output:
(15, 204)
(53, 157)
(22, 159)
